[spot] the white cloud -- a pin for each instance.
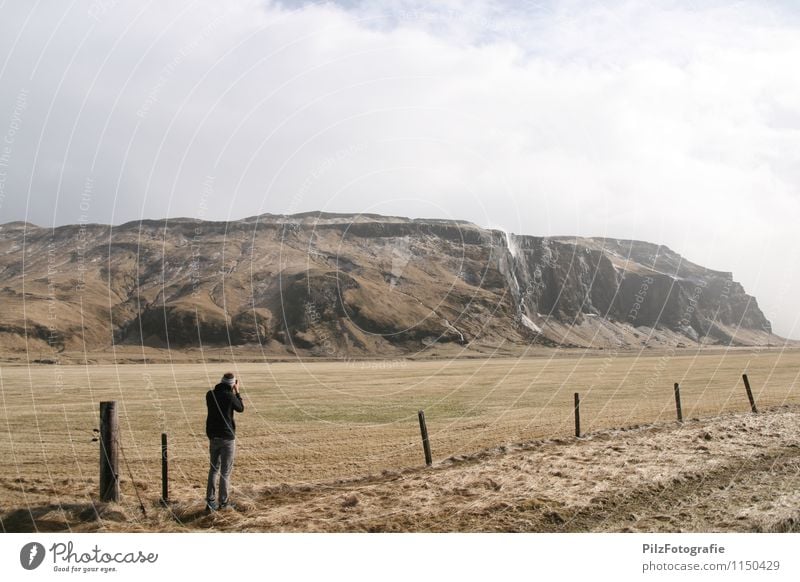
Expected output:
(669, 122)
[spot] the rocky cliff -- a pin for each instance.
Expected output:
(366, 285)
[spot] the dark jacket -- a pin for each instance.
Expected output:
(221, 403)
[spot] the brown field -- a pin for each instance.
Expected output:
(335, 446)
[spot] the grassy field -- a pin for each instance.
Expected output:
(327, 421)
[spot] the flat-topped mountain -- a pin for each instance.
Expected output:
(355, 285)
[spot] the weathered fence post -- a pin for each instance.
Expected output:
(678, 402)
(109, 457)
(164, 470)
(577, 415)
(749, 394)
(426, 445)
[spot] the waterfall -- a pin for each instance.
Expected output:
(510, 273)
(511, 244)
(451, 327)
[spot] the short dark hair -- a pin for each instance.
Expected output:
(228, 375)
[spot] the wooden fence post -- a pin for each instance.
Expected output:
(109, 457)
(426, 445)
(577, 415)
(749, 394)
(678, 402)
(164, 470)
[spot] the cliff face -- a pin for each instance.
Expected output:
(629, 284)
(334, 285)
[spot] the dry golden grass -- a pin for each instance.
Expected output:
(323, 422)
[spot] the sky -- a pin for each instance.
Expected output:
(675, 122)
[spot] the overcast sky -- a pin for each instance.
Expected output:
(676, 122)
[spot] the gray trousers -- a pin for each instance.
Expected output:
(221, 452)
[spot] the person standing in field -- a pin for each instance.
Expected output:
(222, 402)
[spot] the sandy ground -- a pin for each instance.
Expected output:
(730, 473)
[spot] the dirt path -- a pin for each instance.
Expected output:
(731, 473)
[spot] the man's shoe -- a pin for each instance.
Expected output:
(211, 507)
(227, 505)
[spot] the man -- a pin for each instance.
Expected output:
(222, 402)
